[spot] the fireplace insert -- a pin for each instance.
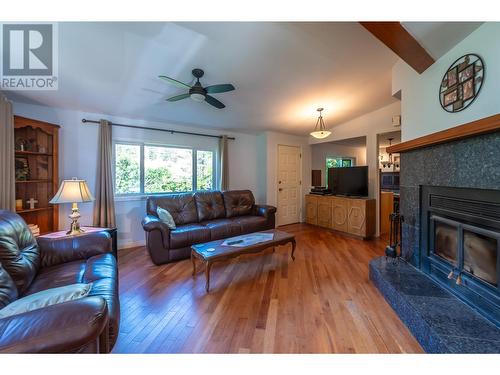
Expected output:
(460, 244)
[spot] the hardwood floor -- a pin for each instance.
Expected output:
(265, 303)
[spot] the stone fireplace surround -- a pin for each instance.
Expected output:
(470, 163)
(439, 320)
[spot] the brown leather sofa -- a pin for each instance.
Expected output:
(86, 325)
(201, 217)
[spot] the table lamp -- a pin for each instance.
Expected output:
(73, 191)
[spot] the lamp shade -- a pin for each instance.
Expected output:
(72, 191)
(321, 134)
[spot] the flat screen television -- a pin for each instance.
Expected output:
(350, 181)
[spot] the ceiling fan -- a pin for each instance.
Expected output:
(197, 92)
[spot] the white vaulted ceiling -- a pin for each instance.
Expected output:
(282, 72)
(439, 37)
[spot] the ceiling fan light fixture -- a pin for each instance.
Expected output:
(197, 97)
(320, 131)
(197, 92)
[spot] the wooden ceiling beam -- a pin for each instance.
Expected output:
(401, 42)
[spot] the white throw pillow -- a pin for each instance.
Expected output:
(165, 217)
(46, 298)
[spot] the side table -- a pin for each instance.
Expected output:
(112, 232)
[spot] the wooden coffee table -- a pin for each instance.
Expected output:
(221, 252)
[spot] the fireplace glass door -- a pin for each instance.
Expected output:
(446, 241)
(481, 255)
(467, 248)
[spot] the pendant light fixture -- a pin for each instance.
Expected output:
(320, 132)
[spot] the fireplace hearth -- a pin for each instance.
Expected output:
(460, 244)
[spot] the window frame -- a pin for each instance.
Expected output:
(142, 145)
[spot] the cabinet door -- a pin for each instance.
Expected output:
(386, 209)
(357, 217)
(339, 214)
(324, 212)
(311, 210)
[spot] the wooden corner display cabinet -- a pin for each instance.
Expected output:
(36, 166)
(355, 216)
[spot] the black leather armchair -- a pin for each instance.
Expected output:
(86, 325)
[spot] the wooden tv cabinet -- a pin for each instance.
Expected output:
(354, 216)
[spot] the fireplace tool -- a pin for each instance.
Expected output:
(391, 251)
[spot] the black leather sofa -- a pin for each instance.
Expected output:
(201, 217)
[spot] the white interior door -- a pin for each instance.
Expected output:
(289, 185)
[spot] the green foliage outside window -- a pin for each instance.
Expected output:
(159, 180)
(338, 162)
(204, 164)
(165, 169)
(127, 169)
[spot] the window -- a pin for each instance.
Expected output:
(127, 169)
(167, 169)
(339, 162)
(150, 169)
(204, 172)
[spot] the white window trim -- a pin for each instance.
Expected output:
(143, 195)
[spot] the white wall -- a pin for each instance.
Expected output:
(78, 158)
(253, 158)
(420, 109)
(369, 126)
(321, 151)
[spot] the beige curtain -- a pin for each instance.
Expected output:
(224, 166)
(7, 174)
(104, 209)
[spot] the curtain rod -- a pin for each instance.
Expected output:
(161, 130)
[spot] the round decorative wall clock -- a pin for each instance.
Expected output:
(461, 83)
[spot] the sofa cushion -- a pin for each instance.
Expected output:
(45, 298)
(188, 234)
(250, 224)
(222, 228)
(165, 217)
(210, 205)
(8, 289)
(238, 202)
(182, 207)
(19, 252)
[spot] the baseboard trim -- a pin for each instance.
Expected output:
(129, 244)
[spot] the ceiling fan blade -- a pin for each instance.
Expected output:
(211, 100)
(177, 97)
(214, 89)
(175, 82)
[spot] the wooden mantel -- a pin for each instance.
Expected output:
(485, 125)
